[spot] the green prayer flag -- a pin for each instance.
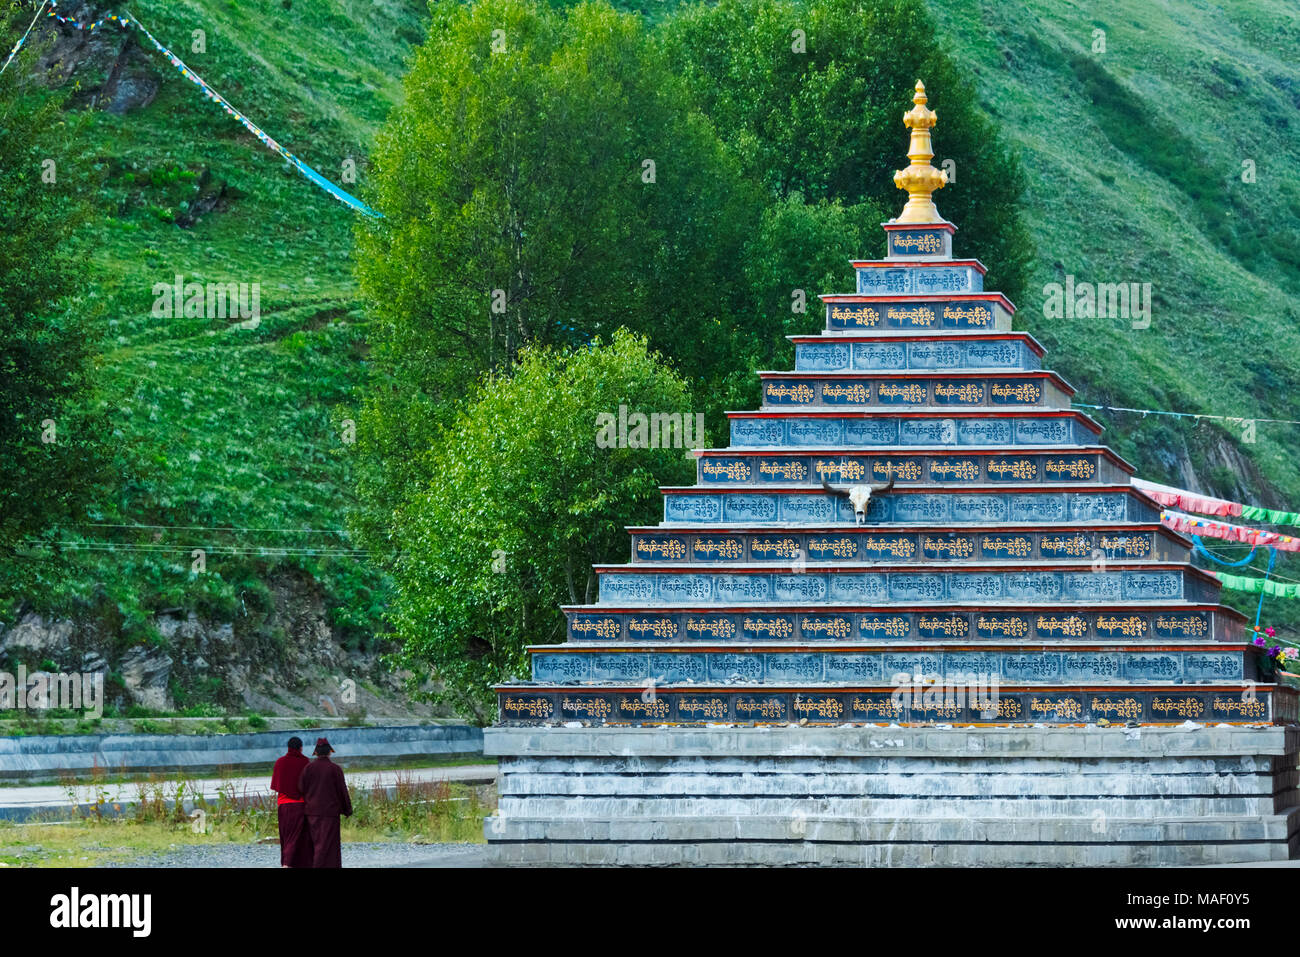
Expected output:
(1270, 515)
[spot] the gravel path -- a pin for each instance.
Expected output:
(354, 855)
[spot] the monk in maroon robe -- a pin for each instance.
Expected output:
(295, 839)
(326, 794)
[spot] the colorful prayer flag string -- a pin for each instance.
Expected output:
(1191, 501)
(127, 21)
(1193, 525)
(1270, 515)
(1258, 586)
(1231, 419)
(23, 39)
(248, 124)
(1208, 505)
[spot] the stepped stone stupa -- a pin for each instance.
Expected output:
(915, 613)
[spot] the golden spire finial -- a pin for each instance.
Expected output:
(920, 179)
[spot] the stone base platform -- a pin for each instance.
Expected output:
(894, 796)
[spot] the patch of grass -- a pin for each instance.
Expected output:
(153, 822)
(1134, 158)
(214, 426)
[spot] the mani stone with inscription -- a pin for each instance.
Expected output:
(914, 613)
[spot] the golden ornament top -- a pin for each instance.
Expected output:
(920, 179)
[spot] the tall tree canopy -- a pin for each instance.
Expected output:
(546, 181)
(809, 94)
(557, 174)
(519, 502)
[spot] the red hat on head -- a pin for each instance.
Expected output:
(323, 746)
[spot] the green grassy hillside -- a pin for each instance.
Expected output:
(1135, 160)
(217, 426)
(1134, 157)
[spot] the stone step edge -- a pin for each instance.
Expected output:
(786, 568)
(880, 740)
(764, 451)
(882, 784)
(903, 335)
(933, 564)
(1009, 488)
(892, 776)
(606, 785)
(797, 853)
(1124, 529)
(744, 687)
(663, 527)
(848, 526)
(916, 412)
(916, 263)
(778, 646)
(935, 298)
(943, 373)
(1055, 377)
(813, 450)
(1198, 829)
(830, 607)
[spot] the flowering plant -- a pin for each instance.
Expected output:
(1274, 653)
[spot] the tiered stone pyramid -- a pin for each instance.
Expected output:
(1010, 580)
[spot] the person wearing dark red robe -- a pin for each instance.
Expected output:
(326, 794)
(295, 838)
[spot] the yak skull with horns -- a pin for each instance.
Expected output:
(859, 495)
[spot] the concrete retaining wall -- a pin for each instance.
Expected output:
(36, 758)
(906, 796)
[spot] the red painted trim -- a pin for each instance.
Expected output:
(936, 490)
(923, 298)
(638, 647)
(1143, 496)
(892, 226)
(938, 413)
(842, 689)
(931, 263)
(745, 453)
(832, 529)
(909, 374)
(694, 568)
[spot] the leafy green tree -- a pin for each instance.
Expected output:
(519, 502)
(521, 212)
(799, 251)
(545, 182)
(49, 449)
(809, 96)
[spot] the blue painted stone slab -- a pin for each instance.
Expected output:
(908, 242)
(907, 506)
(520, 706)
(667, 625)
(927, 280)
(981, 355)
(799, 432)
(1032, 666)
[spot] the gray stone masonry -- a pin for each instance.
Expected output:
(894, 796)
